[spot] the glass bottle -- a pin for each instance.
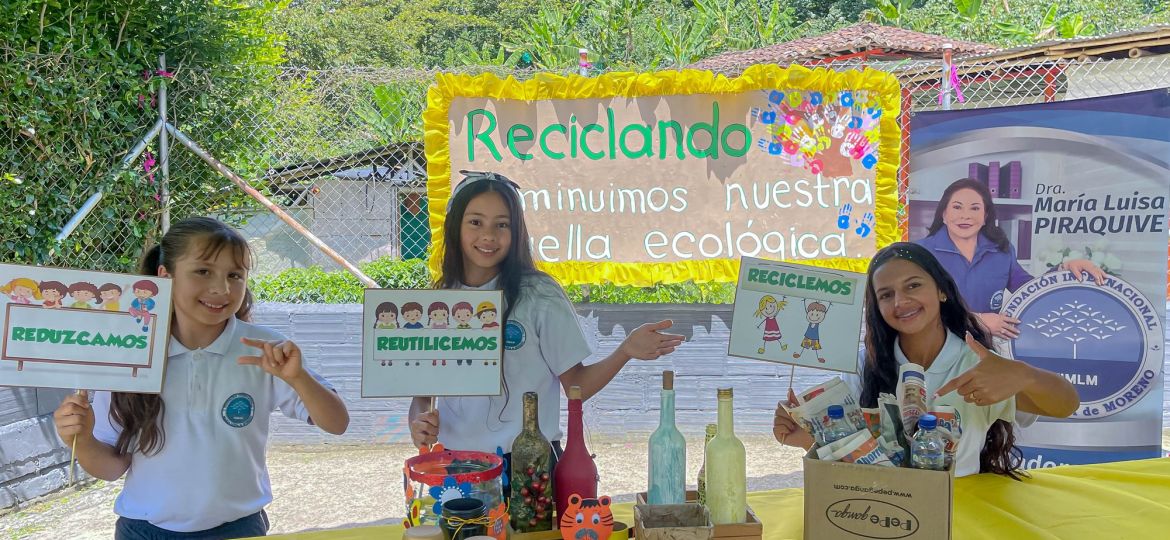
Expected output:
(708, 435)
(668, 453)
(726, 469)
(575, 473)
(532, 490)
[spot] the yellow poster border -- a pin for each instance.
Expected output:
(544, 86)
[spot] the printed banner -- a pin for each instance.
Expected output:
(1056, 188)
(431, 343)
(644, 178)
(797, 314)
(84, 330)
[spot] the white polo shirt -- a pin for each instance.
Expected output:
(955, 358)
(211, 469)
(542, 340)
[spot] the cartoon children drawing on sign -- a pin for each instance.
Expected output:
(816, 313)
(438, 313)
(21, 291)
(463, 314)
(111, 294)
(52, 292)
(387, 316)
(486, 313)
(143, 303)
(769, 308)
(412, 313)
(83, 294)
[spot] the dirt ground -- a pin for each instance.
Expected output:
(323, 487)
(330, 486)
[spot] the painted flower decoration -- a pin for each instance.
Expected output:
(498, 517)
(407, 486)
(414, 518)
(449, 491)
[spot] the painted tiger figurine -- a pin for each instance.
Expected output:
(587, 519)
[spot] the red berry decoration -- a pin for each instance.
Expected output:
(524, 491)
(528, 500)
(536, 486)
(531, 470)
(544, 477)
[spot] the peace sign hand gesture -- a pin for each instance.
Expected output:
(279, 358)
(991, 381)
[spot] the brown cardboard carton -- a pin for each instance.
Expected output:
(750, 529)
(861, 502)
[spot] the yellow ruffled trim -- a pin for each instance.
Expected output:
(881, 86)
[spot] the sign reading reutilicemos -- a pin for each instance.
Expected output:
(664, 177)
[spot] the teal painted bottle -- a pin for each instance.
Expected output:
(668, 453)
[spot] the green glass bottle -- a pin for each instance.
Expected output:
(726, 469)
(668, 453)
(532, 503)
(707, 436)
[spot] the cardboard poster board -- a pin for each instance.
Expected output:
(79, 329)
(428, 342)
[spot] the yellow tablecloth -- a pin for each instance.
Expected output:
(1113, 501)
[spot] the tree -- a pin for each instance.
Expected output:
(74, 98)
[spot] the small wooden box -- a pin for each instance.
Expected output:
(672, 522)
(750, 529)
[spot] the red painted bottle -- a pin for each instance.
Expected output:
(575, 473)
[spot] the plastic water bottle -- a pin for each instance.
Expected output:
(927, 449)
(839, 427)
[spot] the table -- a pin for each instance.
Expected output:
(1113, 501)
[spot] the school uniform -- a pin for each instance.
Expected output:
(211, 470)
(983, 279)
(954, 359)
(542, 340)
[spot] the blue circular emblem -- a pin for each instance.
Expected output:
(238, 410)
(1106, 340)
(513, 335)
(997, 300)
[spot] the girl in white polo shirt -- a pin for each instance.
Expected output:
(914, 314)
(486, 247)
(194, 456)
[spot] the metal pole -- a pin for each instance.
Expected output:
(94, 199)
(272, 207)
(164, 148)
(946, 77)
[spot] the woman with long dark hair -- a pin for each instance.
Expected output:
(966, 238)
(914, 314)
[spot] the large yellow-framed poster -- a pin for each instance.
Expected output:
(643, 178)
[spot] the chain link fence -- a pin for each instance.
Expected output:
(340, 151)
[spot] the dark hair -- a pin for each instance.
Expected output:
(82, 286)
(990, 221)
(140, 415)
(146, 285)
(53, 286)
(880, 375)
(517, 264)
(386, 307)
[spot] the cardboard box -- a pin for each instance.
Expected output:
(847, 501)
(750, 529)
(672, 522)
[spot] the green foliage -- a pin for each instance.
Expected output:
(73, 99)
(394, 111)
(340, 287)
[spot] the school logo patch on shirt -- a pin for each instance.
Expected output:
(238, 410)
(1105, 339)
(514, 335)
(997, 300)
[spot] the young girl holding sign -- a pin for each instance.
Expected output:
(487, 248)
(914, 314)
(194, 456)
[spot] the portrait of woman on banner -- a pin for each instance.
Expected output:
(966, 238)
